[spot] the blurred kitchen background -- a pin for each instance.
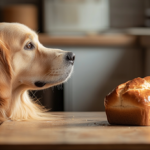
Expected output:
(111, 40)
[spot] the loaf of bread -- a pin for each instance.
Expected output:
(129, 103)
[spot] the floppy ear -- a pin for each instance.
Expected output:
(5, 81)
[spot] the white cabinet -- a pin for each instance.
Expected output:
(96, 72)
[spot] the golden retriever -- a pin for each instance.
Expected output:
(25, 64)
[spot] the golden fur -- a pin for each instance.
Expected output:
(21, 68)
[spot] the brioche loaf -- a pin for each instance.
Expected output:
(129, 103)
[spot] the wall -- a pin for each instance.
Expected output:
(98, 71)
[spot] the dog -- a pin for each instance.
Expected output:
(25, 64)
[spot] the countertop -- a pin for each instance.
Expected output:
(89, 40)
(112, 37)
(73, 131)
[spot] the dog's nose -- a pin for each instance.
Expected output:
(70, 57)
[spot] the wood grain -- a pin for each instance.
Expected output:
(96, 40)
(73, 130)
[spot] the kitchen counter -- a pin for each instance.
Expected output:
(73, 131)
(89, 40)
(112, 37)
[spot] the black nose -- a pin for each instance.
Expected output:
(70, 57)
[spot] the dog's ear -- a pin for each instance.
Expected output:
(5, 81)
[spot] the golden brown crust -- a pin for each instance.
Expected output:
(129, 103)
(128, 116)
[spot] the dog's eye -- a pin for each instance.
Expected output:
(29, 46)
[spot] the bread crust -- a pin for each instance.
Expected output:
(129, 103)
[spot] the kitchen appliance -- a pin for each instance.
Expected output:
(63, 17)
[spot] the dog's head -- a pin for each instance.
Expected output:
(33, 65)
(25, 64)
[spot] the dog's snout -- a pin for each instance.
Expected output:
(70, 57)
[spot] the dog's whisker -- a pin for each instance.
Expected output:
(52, 73)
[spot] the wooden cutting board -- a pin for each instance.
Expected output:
(73, 131)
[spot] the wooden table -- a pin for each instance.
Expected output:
(73, 131)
